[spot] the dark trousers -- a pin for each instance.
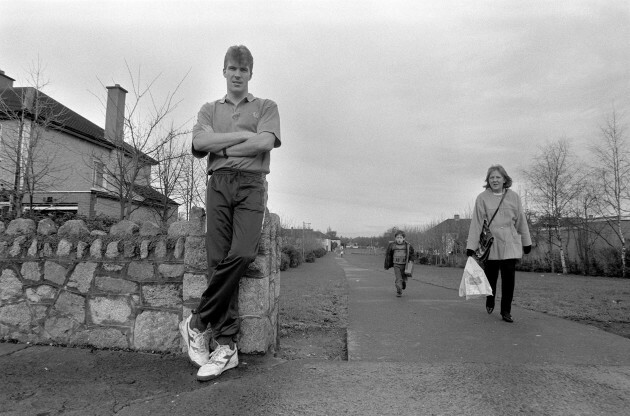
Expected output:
(235, 205)
(400, 276)
(508, 270)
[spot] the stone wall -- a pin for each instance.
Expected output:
(128, 288)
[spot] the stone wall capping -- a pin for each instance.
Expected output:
(46, 227)
(20, 226)
(73, 228)
(124, 228)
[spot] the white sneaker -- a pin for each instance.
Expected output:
(196, 343)
(222, 358)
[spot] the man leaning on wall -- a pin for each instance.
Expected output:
(236, 133)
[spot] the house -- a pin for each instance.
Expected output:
(448, 237)
(73, 161)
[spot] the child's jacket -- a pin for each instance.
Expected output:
(389, 254)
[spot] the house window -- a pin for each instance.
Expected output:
(99, 168)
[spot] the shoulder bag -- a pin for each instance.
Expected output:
(485, 237)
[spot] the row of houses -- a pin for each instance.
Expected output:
(71, 156)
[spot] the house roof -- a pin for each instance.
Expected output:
(62, 118)
(152, 195)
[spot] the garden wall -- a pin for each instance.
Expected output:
(126, 288)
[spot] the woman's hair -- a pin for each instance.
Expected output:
(241, 55)
(501, 170)
(399, 232)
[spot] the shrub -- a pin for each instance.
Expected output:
(320, 252)
(285, 261)
(295, 257)
(310, 257)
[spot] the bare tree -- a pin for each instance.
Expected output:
(168, 174)
(612, 158)
(145, 143)
(192, 184)
(554, 177)
(29, 117)
(583, 209)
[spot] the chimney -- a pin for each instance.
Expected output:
(5, 81)
(456, 217)
(115, 113)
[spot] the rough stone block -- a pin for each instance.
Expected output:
(46, 227)
(64, 247)
(73, 228)
(195, 253)
(194, 285)
(253, 297)
(40, 293)
(160, 249)
(141, 271)
(162, 295)
(32, 250)
(110, 310)
(259, 268)
(170, 271)
(255, 336)
(129, 249)
(70, 305)
(2, 227)
(124, 228)
(149, 229)
(179, 248)
(144, 249)
(17, 314)
(10, 285)
(81, 249)
(156, 331)
(21, 226)
(102, 338)
(61, 328)
(112, 267)
(97, 233)
(16, 248)
(82, 276)
(47, 250)
(112, 250)
(54, 272)
(185, 228)
(3, 248)
(113, 285)
(30, 271)
(96, 249)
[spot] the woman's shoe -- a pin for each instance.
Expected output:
(507, 317)
(489, 309)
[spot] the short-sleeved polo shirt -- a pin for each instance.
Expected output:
(252, 114)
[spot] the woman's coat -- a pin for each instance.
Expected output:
(509, 226)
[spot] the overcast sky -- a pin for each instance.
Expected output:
(391, 111)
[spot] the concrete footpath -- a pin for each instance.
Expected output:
(428, 352)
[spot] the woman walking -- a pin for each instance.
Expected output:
(510, 231)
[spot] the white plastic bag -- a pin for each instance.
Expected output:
(474, 282)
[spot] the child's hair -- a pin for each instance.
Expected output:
(400, 232)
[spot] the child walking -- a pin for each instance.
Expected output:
(398, 254)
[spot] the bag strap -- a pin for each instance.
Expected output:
(495, 212)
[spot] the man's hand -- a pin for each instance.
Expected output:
(470, 252)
